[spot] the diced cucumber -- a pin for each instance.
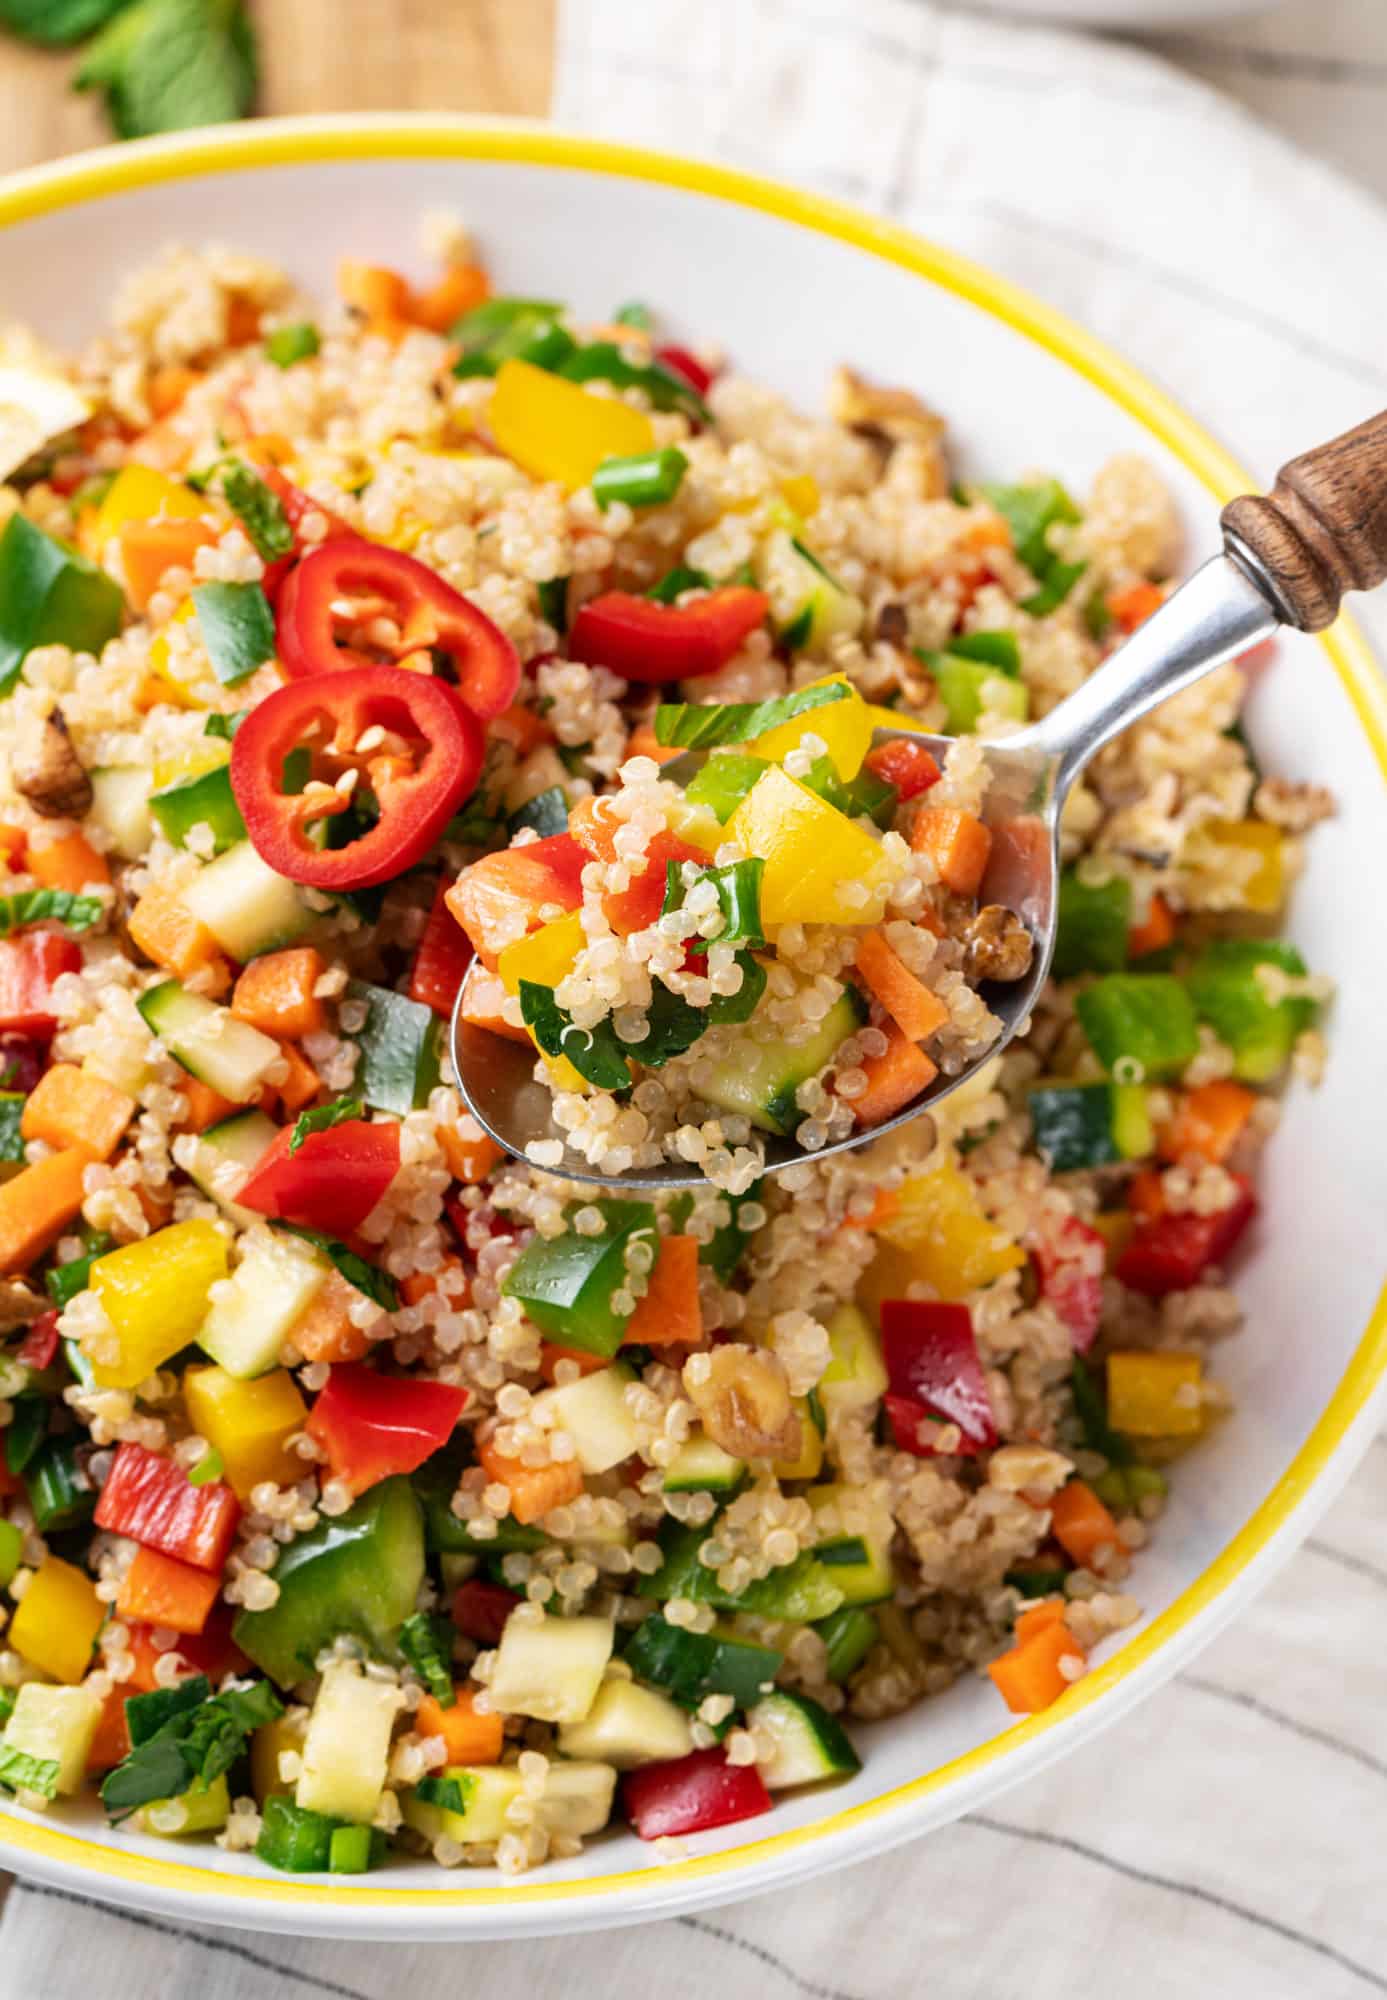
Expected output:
(120, 807)
(1228, 993)
(246, 906)
(1094, 920)
(577, 1798)
(551, 1668)
(801, 1590)
(967, 687)
(480, 1795)
(203, 1808)
(861, 1567)
(628, 1725)
(55, 1725)
(856, 1376)
(209, 1041)
(1144, 1020)
(808, 605)
(275, 1282)
(700, 1466)
(1081, 1125)
(400, 1043)
(226, 1153)
(206, 800)
(759, 1079)
(690, 1665)
(809, 1744)
(594, 1412)
(348, 1743)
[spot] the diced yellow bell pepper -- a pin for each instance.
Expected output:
(1264, 887)
(207, 754)
(158, 663)
(817, 861)
(138, 493)
(556, 430)
(57, 1621)
(896, 718)
(808, 1461)
(1149, 1394)
(155, 1295)
(248, 1423)
(267, 1745)
(801, 491)
(845, 727)
(938, 1234)
(545, 956)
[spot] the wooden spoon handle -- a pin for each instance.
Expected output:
(1322, 529)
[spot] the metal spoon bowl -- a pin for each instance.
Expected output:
(1286, 560)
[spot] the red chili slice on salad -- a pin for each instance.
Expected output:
(415, 748)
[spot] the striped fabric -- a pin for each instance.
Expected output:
(1227, 1838)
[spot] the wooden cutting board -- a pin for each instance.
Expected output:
(321, 55)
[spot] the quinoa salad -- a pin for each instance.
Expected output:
(366, 1492)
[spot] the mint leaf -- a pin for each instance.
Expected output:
(23, 1773)
(694, 726)
(55, 23)
(427, 1644)
(259, 512)
(166, 65)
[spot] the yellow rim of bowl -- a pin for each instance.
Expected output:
(290, 142)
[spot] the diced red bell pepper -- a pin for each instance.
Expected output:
(649, 642)
(680, 362)
(373, 1425)
(480, 1609)
(912, 1426)
(637, 907)
(149, 1498)
(364, 580)
(691, 1794)
(498, 899)
(1071, 1269)
(212, 1651)
(444, 954)
(1171, 1252)
(332, 1182)
(39, 1347)
(931, 1359)
(905, 764)
(30, 965)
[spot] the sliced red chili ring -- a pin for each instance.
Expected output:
(357, 580)
(422, 758)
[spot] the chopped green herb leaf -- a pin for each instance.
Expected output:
(49, 906)
(694, 726)
(259, 511)
(167, 65)
(368, 1278)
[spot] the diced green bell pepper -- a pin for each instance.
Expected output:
(802, 1590)
(1037, 1580)
(444, 1534)
(59, 1493)
(849, 1635)
(993, 649)
(1094, 919)
(647, 479)
(400, 1043)
(288, 344)
(50, 596)
(1228, 994)
(357, 1573)
(352, 1850)
(207, 800)
(11, 1549)
(237, 627)
(311, 1843)
(689, 1665)
(1080, 1125)
(565, 1283)
(65, 1281)
(724, 782)
(963, 684)
(1141, 1018)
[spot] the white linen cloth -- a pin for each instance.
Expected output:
(1227, 1838)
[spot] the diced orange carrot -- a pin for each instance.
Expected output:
(669, 1314)
(69, 1107)
(111, 1744)
(551, 1354)
(957, 842)
(1080, 1523)
(379, 295)
(893, 1080)
(916, 1011)
(1031, 1676)
(1145, 1195)
(523, 728)
(885, 1203)
(38, 1204)
(275, 993)
(205, 1105)
(1133, 606)
(534, 1489)
(470, 1738)
(169, 386)
(482, 1002)
(1035, 1618)
(242, 320)
(641, 743)
(461, 287)
(70, 862)
(990, 531)
(327, 1331)
(157, 1207)
(468, 1151)
(418, 1285)
(170, 935)
(1155, 932)
(163, 1591)
(149, 549)
(1209, 1121)
(268, 448)
(301, 1085)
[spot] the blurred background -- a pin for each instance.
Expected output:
(1316, 70)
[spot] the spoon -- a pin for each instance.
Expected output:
(1287, 560)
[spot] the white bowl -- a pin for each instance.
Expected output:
(1120, 13)
(792, 284)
